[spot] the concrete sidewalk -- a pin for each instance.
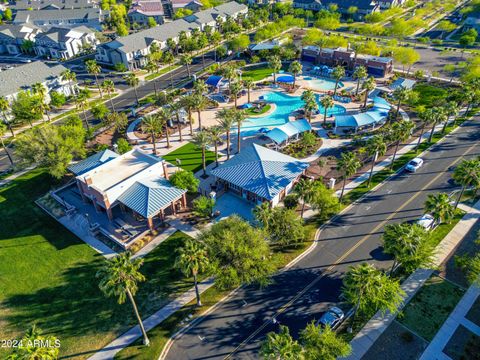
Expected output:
(379, 323)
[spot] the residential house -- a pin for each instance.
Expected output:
(136, 182)
(141, 11)
(376, 65)
(13, 36)
(24, 76)
(90, 17)
(259, 175)
(28, 5)
(387, 4)
(313, 5)
(364, 7)
(171, 6)
(64, 43)
(133, 50)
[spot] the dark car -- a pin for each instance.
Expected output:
(332, 317)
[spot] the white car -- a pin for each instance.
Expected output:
(414, 164)
(427, 221)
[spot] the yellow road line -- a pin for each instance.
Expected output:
(284, 307)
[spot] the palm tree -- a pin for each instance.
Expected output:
(132, 80)
(225, 119)
(215, 137)
(262, 213)
(200, 87)
(281, 346)
(467, 174)
(426, 117)
(95, 69)
(109, 87)
(439, 207)
(238, 117)
(118, 121)
(401, 94)
(81, 101)
(188, 104)
(308, 97)
(41, 91)
(71, 77)
(176, 107)
(327, 103)
(4, 106)
(120, 277)
(348, 164)
(304, 189)
(202, 139)
(338, 73)
(368, 85)
(169, 59)
(152, 125)
(359, 74)
(186, 59)
(151, 68)
(451, 109)
(230, 73)
(29, 347)
(401, 131)
(295, 68)
(192, 259)
(199, 104)
(3, 130)
(439, 115)
(249, 85)
(165, 115)
(375, 147)
(235, 88)
(276, 64)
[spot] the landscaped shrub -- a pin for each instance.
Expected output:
(290, 201)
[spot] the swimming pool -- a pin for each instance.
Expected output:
(285, 105)
(322, 83)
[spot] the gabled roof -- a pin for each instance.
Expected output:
(148, 196)
(261, 171)
(92, 162)
(63, 14)
(378, 113)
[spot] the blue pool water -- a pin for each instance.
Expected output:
(285, 105)
(322, 83)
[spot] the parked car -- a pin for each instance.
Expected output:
(414, 164)
(427, 221)
(332, 317)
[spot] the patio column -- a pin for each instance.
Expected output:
(109, 214)
(81, 192)
(184, 200)
(150, 223)
(162, 214)
(173, 208)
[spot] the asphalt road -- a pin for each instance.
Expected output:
(237, 326)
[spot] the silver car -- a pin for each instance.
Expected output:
(332, 317)
(414, 164)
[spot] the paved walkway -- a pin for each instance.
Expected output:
(456, 318)
(15, 175)
(109, 351)
(378, 324)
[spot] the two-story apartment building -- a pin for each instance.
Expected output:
(132, 50)
(29, 5)
(13, 36)
(142, 10)
(90, 17)
(364, 7)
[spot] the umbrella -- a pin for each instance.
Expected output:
(246, 106)
(263, 130)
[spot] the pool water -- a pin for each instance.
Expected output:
(322, 83)
(285, 105)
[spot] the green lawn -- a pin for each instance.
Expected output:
(431, 306)
(190, 156)
(255, 112)
(429, 95)
(257, 74)
(48, 276)
(161, 72)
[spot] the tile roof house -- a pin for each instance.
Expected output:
(171, 6)
(23, 77)
(141, 10)
(64, 43)
(134, 180)
(132, 50)
(260, 175)
(13, 36)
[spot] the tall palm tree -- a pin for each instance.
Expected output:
(3, 130)
(276, 64)
(118, 121)
(165, 115)
(262, 213)
(132, 80)
(401, 131)
(467, 174)
(200, 87)
(401, 94)
(426, 117)
(81, 101)
(4, 106)
(41, 91)
(230, 73)
(151, 67)
(359, 74)
(451, 109)
(249, 85)
(215, 137)
(310, 103)
(120, 277)
(235, 89)
(239, 118)
(200, 103)
(439, 207)
(71, 77)
(152, 125)
(94, 69)
(169, 59)
(176, 107)
(295, 68)
(192, 260)
(202, 139)
(348, 164)
(281, 346)
(368, 85)
(304, 189)
(375, 147)
(327, 102)
(338, 73)
(188, 104)
(225, 119)
(439, 115)
(186, 59)
(109, 87)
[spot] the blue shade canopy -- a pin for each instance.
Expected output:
(377, 114)
(284, 132)
(214, 80)
(286, 79)
(277, 136)
(246, 106)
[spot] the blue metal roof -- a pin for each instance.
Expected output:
(376, 114)
(402, 82)
(148, 196)
(92, 162)
(301, 125)
(261, 171)
(286, 79)
(213, 80)
(284, 132)
(277, 135)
